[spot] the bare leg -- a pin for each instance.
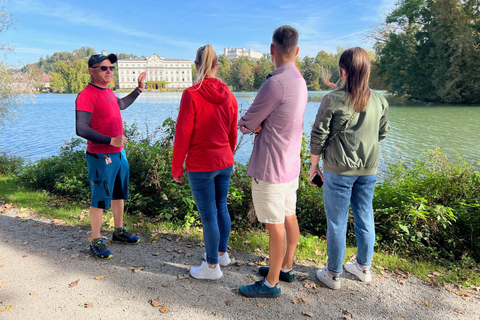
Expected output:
(277, 251)
(117, 208)
(95, 221)
(293, 235)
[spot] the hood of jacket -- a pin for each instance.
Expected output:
(213, 90)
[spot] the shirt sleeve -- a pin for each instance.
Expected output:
(82, 126)
(232, 136)
(125, 102)
(321, 127)
(268, 98)
(384, 125)
(183, 133)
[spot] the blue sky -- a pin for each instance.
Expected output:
(176, 29)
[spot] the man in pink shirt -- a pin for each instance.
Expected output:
(276, 116)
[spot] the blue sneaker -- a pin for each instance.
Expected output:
(99, 250)
(284, 276)
(125, 237)
(260, 290)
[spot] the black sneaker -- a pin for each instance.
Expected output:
(284, 276)
(99, 250)
(125, 237)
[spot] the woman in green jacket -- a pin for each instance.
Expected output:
(349, 125)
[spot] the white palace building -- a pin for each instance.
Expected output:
(177, 72)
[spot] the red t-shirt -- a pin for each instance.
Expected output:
(106, 117)
(206, 131)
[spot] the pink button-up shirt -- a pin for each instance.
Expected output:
(279, 107)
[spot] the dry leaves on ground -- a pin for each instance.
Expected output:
(229, 303)
(308, 314)
(136, 269)
(183, 276)
(299, 300)
(163, 309)
(99, 277)
(74, 283)
(155, 302)
(88, 305)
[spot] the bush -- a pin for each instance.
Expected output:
(429, 208)
(10, 164)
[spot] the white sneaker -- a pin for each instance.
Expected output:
(333, 282)
(204, 272)
(222, 260)
(363, 274)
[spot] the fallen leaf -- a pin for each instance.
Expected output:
(319, 253)
(2, 284)
(301, 278)
(183, 276)
(462, 293)
(346, 313)
(427, 303)
(308, 314)
(136, 269)
(163, 309)
(36, 224)
(74, 283)
(309, 284)
(214, 313)
(32, 293)
(25, 255)
(99, 277)
(166, 285)
(1, 266)
(9, 307)
(460, 311)
(261, 263)
(23, 215)
(239, 263)
(164, 197)
(110, 241)
(64, 306)
(87, 304)
(155, 302)
(260, 305)
(403, 281)
(229, 303)
(25, 243)
(246, 242)
(299, 299)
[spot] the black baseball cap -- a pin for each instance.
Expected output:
(96, 58)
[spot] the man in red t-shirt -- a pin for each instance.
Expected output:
(98, 119)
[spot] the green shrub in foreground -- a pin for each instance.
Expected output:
(10, 164)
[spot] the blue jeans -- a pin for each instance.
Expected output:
(338, 193)
(210, 191)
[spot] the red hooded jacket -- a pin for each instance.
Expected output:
(206, 130)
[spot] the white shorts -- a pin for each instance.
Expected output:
(274, 201)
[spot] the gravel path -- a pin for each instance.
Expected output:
(46, 272)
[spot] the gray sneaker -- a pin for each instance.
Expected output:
(363, 274)
(333, 282)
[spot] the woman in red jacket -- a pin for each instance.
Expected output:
(206, 134)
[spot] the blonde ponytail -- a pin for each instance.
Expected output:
(205, 62)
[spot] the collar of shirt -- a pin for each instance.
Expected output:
(284, 66)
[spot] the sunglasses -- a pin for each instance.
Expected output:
(104, 68)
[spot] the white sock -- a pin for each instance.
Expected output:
(360, 268)
(286, 270)
(268, 284)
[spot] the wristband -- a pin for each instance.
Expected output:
(314, 167)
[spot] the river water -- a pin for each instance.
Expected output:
(42, 125)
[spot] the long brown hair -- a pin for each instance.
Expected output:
(356, 63)
(205, 62)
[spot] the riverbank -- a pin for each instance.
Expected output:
(45, 271)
